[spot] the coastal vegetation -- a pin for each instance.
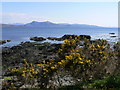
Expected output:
(77, 63)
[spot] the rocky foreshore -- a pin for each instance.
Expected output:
(82, 37)
(36, 52)
(32, 51)
(67, 36)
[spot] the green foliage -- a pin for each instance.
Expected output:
(112, 82)
(109, 82)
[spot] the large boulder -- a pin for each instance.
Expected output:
(37, 38)
(82, 37)
(54, 38)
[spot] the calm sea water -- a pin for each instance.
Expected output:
(21, 34)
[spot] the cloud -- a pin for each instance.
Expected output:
(19, 18)
(12, 17)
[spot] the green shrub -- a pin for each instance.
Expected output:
(112, 82)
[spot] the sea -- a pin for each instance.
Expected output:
(22, 34)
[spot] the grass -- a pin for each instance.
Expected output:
(112, 82)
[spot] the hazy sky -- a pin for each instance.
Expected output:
(94, 13)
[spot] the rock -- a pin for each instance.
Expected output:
(18, 84)
(31, 51)
(37, 38)
(4, 41)
(82, 37)
(8, 40)
(54, 38)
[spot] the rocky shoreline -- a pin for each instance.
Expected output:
(37, 52)
(32, 51)
(60, 38)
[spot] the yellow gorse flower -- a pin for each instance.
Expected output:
(14, 70)
(79, 58)
(98, 46)
(63, 61)
(60, 63)
(87, 61)
(68, 57)
(51, 60)
(44, 69)
(32, 69)
(40, 65)
(35, 72)
(52, 67)
(100, 52)
(23, 74)
(104, 57)
(81, 62)
(75, 54)
(103, 47)
(24, 71)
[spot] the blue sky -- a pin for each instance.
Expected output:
(94, 13)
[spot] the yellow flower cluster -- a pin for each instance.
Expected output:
(62, 62)
(69, 57)
(87, 55)
(81, 62)
(69, 43)
(40, 65)
(52, 67)
(76, 55)
(45, 70)
(87, 61)
(102, 47)
(14, 70)
(27, 71)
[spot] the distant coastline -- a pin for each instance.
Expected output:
(51, 24)
(2, 25)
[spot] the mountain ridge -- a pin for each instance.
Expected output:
(51, 24)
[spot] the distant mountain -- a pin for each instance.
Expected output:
(50, 24)
(41, 24)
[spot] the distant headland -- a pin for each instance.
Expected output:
(51, 24)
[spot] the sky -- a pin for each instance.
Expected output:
(93, 13)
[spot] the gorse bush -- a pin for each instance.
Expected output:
(73, 61)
